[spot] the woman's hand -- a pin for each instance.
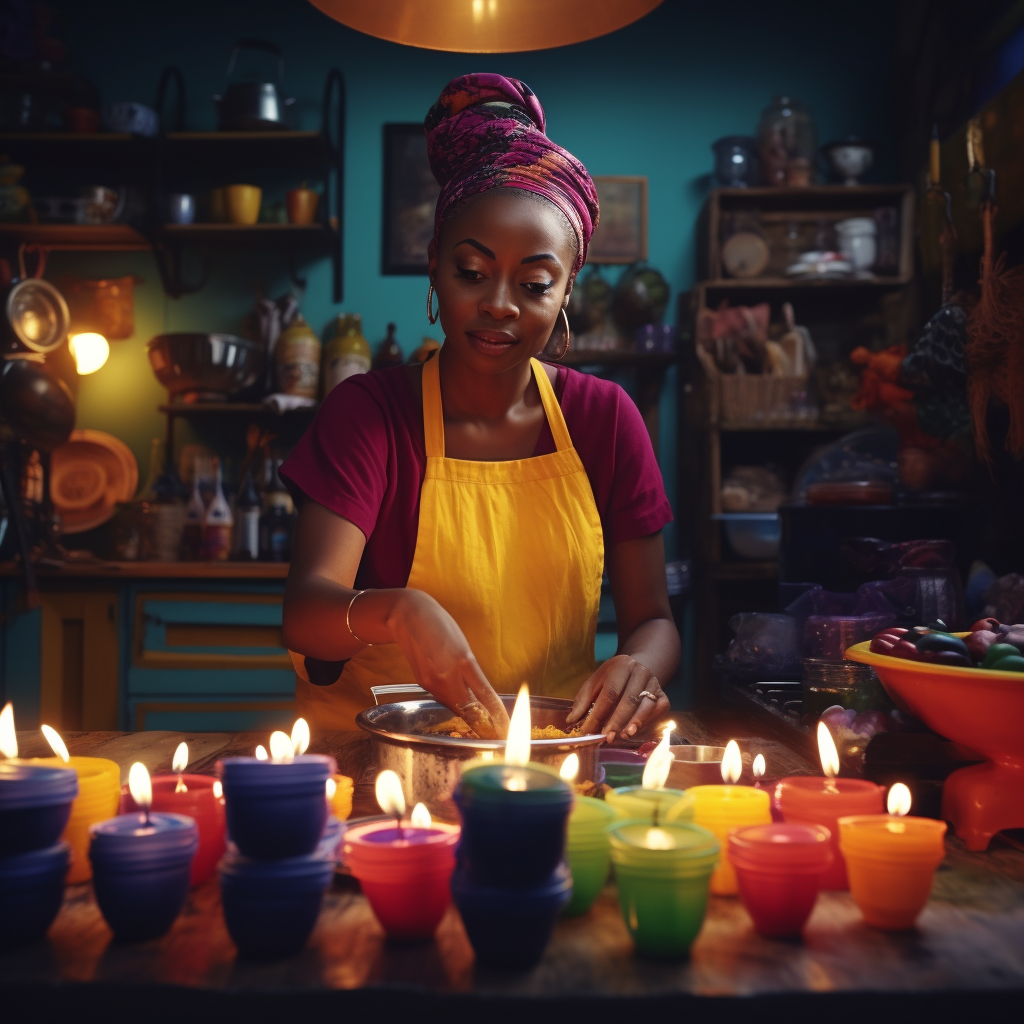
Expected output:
(625, 696)
(443, 662)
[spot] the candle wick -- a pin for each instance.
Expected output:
(145, 815)
(656, 809)
(398, 826)
(830, 785)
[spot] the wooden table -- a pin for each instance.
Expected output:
(966, 959)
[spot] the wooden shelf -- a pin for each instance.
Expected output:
(792, 284)
(230, 408)
(613, 357)
(74, 236)
(803, 426)
(240, 234)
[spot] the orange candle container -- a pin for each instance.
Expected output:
(890, 862)
(720, 809)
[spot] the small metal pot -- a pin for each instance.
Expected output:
(430, 766)
(695, 765)
(253, 106)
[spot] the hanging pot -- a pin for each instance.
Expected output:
(35, 316)
(253, 106)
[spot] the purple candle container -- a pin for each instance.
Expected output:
(276, 809)
(271, 906)
(511, 928)
(35, 804)
(31, 893)
(141, 871)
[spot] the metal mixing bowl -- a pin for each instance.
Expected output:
(205, 366)
(430, 766)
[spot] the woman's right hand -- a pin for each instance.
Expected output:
(443, 662)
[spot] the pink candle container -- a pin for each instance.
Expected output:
(779, 870)
(198, 803)
(815, 800)
(405, 874)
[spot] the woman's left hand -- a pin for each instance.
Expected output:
(625, 696)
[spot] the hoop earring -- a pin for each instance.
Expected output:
(568, 336)
(431, 315)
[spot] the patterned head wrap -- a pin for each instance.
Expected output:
(487, 131)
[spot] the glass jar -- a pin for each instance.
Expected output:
(788, 142)
(735, 161)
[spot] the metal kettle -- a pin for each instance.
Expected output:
(253, 106)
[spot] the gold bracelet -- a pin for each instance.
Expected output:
(348, 618)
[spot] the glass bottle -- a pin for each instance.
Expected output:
(788, 140)
(346, 353)
(389, 353)
(247, 521)
(192, 537)
(219, 524)
(276, 520)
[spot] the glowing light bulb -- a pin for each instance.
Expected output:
(90, 352)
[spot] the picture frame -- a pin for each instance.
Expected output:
(621, 236)
(409, 197)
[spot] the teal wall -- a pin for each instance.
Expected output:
(648, 99)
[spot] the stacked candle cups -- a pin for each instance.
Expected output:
(274, 878)
(35, 804)
(588, 851)
(511, 881)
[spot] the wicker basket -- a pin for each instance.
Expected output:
(735, 398)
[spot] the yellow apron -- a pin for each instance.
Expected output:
(514, 551)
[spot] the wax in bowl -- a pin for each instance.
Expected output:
(276, 809)
(588, 852)
(198, 802)
(510, 928)
(720, 809)
(35, 804)
(662, 873)
(31, 893)
(622, 767)
(405, 874)
(779, 870)
(891, 862)
(814, 800)
(646, 804)
(271, 906)
(512, 836)
(141, 871)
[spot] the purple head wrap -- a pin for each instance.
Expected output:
(487, 131)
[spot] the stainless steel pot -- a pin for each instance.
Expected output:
(210, 367)
(253, 106)
(430, 766)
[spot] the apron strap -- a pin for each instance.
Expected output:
(559, 431)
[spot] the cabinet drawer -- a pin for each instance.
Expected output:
(211, 715)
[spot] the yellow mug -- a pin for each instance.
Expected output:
(242, 203)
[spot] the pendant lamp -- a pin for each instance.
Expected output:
(486, 26)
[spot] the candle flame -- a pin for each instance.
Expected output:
(281, 748)
(827, 752)
(899, 800)
(140, 787)
(758, 766)
(570, 768)
(659, 763)
(732, 762)
(486, 755)
(57, 745)
(332, 788)
(420, 817)
(8, 737)
(261, 752)
(300, 736)
(389, 793)
(180, 760)
(659, 839)
(517, 746)
(218, 789)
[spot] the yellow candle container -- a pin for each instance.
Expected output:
(891, 862)
(341, 802)
(635, 802)
(720, 809)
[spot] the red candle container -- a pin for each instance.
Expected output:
(815, 800)
(779, 870)
(405, 874)
(198, 803)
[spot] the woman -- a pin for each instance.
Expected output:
(450, 533)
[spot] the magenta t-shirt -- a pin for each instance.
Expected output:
(364, 458)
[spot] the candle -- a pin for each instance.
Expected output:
(404, 871)
(651, 801)
(587, 850)
(933, 154)
(811, 800)
(891, 860)
(35, 804)
(662, 873)
(341, 799)
(31, 884)
(720, 809)
(141, 864)
(779, 870)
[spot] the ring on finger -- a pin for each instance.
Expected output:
(644, 693)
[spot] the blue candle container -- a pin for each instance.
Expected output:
(276, 809)
(35, 804)
(141, 871)
(271, 906)
(511, 928)
(330, 841)
(513, 824)
(31, 893)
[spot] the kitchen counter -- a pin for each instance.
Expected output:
(155, 570)
(966, 956)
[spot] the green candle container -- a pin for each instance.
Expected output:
(639, 804)
(663, 873)
(588, 852)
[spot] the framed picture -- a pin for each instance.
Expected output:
(410, 194)
(621, 236)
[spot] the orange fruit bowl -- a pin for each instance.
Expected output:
(980, 708)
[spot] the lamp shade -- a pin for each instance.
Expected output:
(486, 26)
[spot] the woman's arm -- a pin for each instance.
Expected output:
(648, 644)
(318, 597)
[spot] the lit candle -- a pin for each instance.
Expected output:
(8, 737)
(812, 800)
(891, 860)
(261, 752)
(757, 769)
(651, 801)
(720, 809)
(586, 848)
(178, 764)
(141, 864)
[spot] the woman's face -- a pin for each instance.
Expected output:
(502, 270)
